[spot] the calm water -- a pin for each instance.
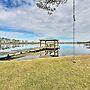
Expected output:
(65, 49)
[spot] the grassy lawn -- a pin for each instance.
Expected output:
(46, 74)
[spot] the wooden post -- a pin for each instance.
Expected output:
(57, 44)
(45, 47)
(40, 43)
(54, 48)
(54, 45)
(40, 47)
(45, 44)
(58, 48)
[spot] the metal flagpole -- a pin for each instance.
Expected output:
(74, 19)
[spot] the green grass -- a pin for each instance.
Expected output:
(46, 74)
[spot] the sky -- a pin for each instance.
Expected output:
(23, 20)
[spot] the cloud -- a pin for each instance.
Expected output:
(10, 34)
(59, 24)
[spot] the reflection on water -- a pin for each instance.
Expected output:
(87, 45)
(68, 49)
(53, 53)
(7, 46)
(65, 49)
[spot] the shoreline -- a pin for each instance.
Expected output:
(46, 57)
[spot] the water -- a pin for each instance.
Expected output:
(65, 49)
(7, 47)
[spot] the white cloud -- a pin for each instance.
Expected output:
(10, 34)
(58, 24)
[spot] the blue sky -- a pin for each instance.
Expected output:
(23, 20)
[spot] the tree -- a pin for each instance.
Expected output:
(50, 5)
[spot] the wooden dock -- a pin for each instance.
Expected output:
(11, 54)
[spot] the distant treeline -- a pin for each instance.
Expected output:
(74, 42)
(14, 41)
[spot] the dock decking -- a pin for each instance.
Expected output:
(8, 55)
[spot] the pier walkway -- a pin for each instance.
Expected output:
(8, 55)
